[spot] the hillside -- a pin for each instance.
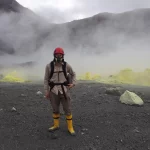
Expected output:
(107, 32)
(23, 32)
(10, 6)
(21, 29)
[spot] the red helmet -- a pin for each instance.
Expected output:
(59, 50)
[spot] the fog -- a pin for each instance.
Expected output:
(29, 38)
(22, 31)
(60, 11)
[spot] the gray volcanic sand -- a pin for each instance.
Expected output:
(100, 120)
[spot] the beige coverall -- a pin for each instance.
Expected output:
(56, 94)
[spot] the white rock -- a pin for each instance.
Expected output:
(23, 95)
(136, 130)
(130, 98)
(39, 93)
(14, 109)
(84, 129)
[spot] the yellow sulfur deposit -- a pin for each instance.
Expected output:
(89, 76)
(12, 77)
(130, 77)
(125, 76)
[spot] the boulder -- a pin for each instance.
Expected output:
(113, 91)
(131, 98)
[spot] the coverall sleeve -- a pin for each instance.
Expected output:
(72, 73)
(46, 77)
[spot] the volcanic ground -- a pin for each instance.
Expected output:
(100, 120)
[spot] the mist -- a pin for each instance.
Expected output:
(60, 11)
(104, 65)
(33, 41)
(21, 31)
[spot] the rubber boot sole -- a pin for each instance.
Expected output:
(51, 130)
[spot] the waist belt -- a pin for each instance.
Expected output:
(52, 84)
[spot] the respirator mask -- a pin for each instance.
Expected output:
(58, 58)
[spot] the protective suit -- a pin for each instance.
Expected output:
(57, 88)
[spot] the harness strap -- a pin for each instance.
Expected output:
(52, 84)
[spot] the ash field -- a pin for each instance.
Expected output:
(101, 121)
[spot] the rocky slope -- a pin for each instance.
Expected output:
(10, 6)
(25, 32)
(21, 30)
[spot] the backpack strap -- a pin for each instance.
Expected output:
(52, 69)
(63, 69)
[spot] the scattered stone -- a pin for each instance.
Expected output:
(14, 109)
(23, 95)
(136, 130)
(84, 129)
(97, 137)
(131, 98)
(1, 109)
(113, 91)
(39, 93)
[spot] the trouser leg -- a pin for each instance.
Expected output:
(66, 103)
(55, 103)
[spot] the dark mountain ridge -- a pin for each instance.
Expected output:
(25, 32)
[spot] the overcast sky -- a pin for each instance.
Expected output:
(59, 11)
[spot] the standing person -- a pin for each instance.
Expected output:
(59, 78)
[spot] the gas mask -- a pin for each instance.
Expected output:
(58, 58)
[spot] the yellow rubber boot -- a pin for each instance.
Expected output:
(56, 122)
(70, 125)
